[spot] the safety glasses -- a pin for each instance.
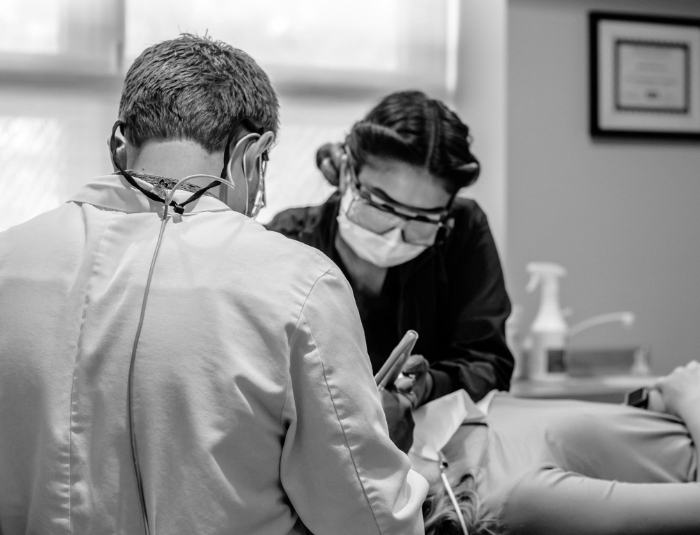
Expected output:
(372, 212)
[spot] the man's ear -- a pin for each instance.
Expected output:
(250, 150)
(117, 147)
(259, 147)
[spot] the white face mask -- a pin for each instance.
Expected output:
(382, 250)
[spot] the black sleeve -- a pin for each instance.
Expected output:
(477, 357)
(290, 223)
(313, 225)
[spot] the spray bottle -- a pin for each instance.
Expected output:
(549, 330)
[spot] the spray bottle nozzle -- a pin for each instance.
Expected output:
(541, 271)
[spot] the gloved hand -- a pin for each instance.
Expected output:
(328, 158)
(399, 418)
(415, 382)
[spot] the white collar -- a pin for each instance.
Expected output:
(113, 192)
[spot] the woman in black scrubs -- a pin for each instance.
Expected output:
(417, 256)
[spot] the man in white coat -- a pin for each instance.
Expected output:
(169, 366)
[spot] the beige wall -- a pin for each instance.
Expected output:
(621, 216)
(480, 100)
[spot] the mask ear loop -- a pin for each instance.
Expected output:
(260, 200)
(451, 494)
(245, 179)
(245, 169)
(346, 172)
(448, 222)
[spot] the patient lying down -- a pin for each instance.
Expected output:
(521, 466)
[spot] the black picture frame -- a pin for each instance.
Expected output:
(644, 74)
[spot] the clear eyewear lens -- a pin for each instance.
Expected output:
(420, 232)
(372, 218)
(379, 221)
(380, 217)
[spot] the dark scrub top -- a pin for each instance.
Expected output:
(565, 467)
(453, 295)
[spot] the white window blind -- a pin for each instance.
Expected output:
(342, 44)
(330, 62)
(61, 36)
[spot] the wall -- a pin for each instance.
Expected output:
(622, 217)
(480, 99)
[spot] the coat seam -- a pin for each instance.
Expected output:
(293, 338)
(83, 319)
(345, 438)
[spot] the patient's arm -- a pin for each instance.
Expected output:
(554, 501)
(680, 391)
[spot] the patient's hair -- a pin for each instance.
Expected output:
(441, 519)
(410, 127)
(197, 89)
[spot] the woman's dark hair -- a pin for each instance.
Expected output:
(413, 128)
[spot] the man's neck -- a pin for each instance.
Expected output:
(177, 159)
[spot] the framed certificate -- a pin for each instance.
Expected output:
(645, 76)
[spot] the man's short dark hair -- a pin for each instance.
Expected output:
(196, 88)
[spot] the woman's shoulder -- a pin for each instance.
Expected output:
(294, 220)
(467, 211)
(467, 226)
(303, 220)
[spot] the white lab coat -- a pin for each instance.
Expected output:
(255, 406)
